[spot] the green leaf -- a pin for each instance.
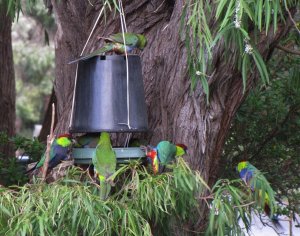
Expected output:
(245, 69)
(205, 87)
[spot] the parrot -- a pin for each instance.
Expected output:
(87, 141)
(58, 152)
(253, 178)
(152, 154)
(164, 153)
(115, 43)
(105, 163)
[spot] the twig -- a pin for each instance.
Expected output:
(291, 17)
(288, 50)
(274, 132)
(49, 142)
(245, 205)
(269, 225)
(291, 223)
(92, 180)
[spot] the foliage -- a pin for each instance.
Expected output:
(237, 26)
(139, 199)
(12, 169)
(34, 66)
(33, 81)
(266, 130)
(73, 207)
(228, 208)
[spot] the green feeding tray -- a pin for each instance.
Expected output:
(124, 155)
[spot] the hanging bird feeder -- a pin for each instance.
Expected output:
(108, 98)
(105, 100)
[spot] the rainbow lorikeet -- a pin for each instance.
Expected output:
(58, 152)
(164, 153)
(115, 43)
(105, 163)
(258, 183)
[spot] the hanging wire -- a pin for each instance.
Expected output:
(127, 140)
(76, 74)
(124, 30)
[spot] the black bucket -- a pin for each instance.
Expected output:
(101, 102)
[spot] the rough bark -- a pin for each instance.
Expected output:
(45, 131)
(69, 40)
(7, 81)
(175, 112)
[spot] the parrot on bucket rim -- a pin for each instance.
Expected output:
(116, 44)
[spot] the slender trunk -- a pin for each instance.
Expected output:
(7, 81)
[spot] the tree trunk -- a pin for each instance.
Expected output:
(175, 111)
(7, 81)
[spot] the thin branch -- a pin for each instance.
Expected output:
(288, 50)
(264, 223)
(291, 17)
(274, 132)
(49, 142)
(246, 204)
(291, 225)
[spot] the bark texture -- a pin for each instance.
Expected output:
(7, 81)
(175, 112)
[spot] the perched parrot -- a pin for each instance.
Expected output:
(105, 163)
(253, 178)
(87, 141)
(58, 152)
(115, 43)
(164, 153)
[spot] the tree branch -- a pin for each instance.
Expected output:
(49, 142)
(288, 50)
(291, 17)
(274, 132)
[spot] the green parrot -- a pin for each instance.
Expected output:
(87, 141)
(168, 151)
(115, 43)
(58, 152)
(105, 163)
(164, 153)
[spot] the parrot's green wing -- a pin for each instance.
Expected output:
(105, 163)
(166, 152)
(131, 39)
(42, 160)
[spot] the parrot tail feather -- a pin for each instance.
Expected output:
(31, 170)
(274, 218)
